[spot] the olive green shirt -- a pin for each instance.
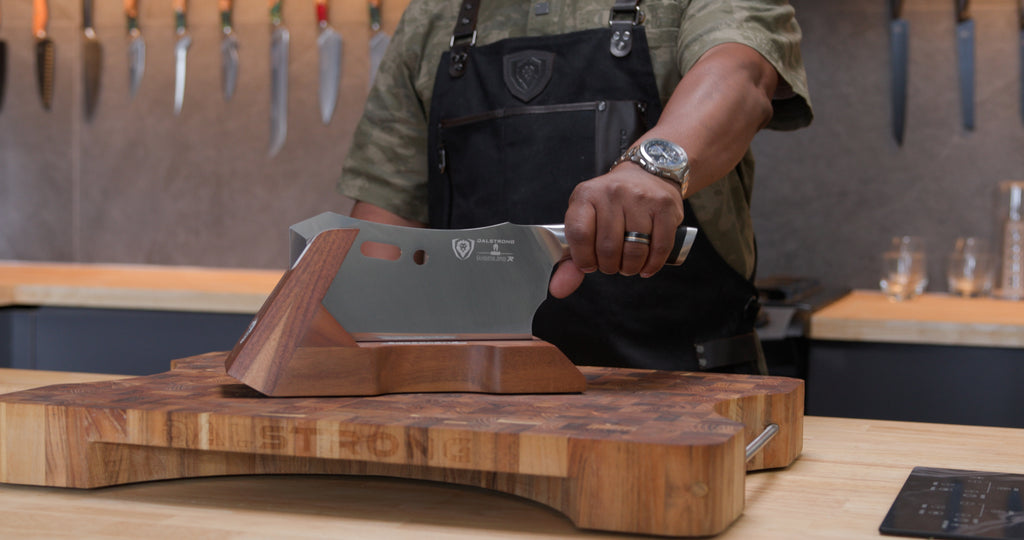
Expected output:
(387, 163)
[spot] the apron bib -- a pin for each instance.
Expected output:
(520, 123)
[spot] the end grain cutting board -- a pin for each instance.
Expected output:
(640, 451)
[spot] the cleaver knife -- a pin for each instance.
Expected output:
(92, 60)
(46, 52)
(458, 284)
(278, 80)
(898, 54)
(136, 47)
(965, 61)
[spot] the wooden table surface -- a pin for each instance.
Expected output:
(125, 286)
(840, 488)
(930, 319)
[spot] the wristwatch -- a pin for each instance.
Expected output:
(662, 158)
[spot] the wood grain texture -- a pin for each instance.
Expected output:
(933, 319)
(640, 451)
(179, 288)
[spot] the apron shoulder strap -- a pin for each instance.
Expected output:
(625, 14)
(463, 38)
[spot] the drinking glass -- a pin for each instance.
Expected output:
(904, 268)
(971, 266)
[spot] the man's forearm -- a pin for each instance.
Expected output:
(716, 110)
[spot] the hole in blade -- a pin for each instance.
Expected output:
(379, 250)
(419, 257)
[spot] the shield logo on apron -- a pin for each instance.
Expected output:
(527, 73)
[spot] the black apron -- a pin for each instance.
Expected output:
(514, 126)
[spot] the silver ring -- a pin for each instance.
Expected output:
(638, 238)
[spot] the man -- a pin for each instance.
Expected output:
(578, 111)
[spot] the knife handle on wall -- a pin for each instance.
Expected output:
(963, 10)
(225, 9)
(180, 23)
(87, 15)
(896, 9)
(375, 17)
(40, 16)
(131, 13)
(275, 12)
(321, 13)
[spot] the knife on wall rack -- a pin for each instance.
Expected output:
(379, 41)
(228, 50)
(278, 79)
(330, 45)
(92, 60)
(46, 52)
(180, 52)
(965, 61)
(136, 47)
(1020, 22)
(899, 31)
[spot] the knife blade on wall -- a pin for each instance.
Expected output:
(483, 283)
(330, 45)
(278, 79)
(46, 52)
(899, 31)
(3, 65)
(228, 50)
(379, 41)
(136, 47)
(965, 61)
(92, 60)
(180, 52)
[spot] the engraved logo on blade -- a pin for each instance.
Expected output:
(463, 248)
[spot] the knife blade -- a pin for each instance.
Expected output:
(136, 47)
(379, 41)
(278, 79)
(46, 52)
(330, 45)
(898, 54)
(92, 60)
(180, 53)
(965, 61)
(3, 70)
(228, 51)
(483, 283)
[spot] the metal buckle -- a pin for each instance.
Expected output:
(472, 40)
(638, 15)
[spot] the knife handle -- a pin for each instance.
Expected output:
(180, 24)
(225, 8)
(40, 16)
(963, 10)
(275, 12)
(131, 13)
(321, 12)
(375, 18)
(87, 14)
(680, 246)
(896, 9)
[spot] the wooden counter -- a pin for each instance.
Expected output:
(840, 488)
(930, 319)
(170, 288)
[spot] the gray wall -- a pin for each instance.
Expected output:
(138, 184)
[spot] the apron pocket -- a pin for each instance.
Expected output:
(488, 183)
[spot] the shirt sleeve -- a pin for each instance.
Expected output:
(767, 26)
(386, 164)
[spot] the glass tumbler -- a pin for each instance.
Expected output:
(971, 267)
(904, 268)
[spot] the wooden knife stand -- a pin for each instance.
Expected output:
(294, 347)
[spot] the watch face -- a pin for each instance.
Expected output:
(664, 154)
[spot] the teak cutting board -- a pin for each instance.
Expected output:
(640, 451)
